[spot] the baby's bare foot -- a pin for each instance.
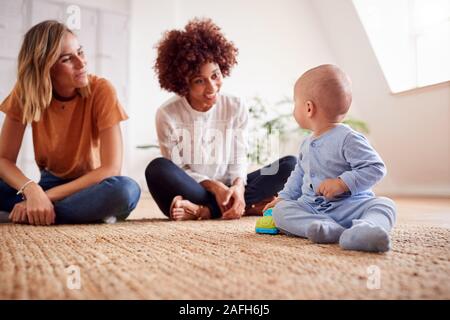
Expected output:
(185, 210)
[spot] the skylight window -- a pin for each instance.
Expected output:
(411, 39)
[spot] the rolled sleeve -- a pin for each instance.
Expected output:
(240, 172)
(11, 106)
(198, 177)
(350, 180)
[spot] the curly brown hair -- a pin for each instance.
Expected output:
(181, 54)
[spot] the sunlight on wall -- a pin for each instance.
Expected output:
(410, 39)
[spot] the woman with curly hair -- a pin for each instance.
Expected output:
(202, 133)
(75, 118)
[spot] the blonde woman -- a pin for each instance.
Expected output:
(76, 136)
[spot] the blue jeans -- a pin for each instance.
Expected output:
(115, 196)
(166, 180)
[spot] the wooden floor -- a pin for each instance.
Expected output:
(418, 211)
(424, 211)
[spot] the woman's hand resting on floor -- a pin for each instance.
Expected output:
(230, 200)
(19, 213)
(235, 197)
(36, 210)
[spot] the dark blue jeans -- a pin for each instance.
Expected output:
(166, 180)
(115, 196)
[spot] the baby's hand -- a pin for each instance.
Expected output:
(272, 204)
(330, 188)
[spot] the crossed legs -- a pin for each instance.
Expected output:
(371, 224)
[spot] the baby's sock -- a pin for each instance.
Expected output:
(364, 236)
(324, 232)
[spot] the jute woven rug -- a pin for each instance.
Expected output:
(158, 259)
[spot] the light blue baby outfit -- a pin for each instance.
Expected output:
(356, 219)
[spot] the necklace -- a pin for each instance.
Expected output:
(63, 99)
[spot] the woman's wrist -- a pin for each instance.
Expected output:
(213, 186)
(52, 195)
(31, 189)
(23, 187)
(239, 184)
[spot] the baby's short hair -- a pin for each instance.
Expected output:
(329, 88)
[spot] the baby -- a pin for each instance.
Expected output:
(328, 197)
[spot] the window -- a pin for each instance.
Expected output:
(411, 39)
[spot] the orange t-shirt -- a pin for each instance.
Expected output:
(66, 139)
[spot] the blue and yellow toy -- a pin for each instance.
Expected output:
(265, 224)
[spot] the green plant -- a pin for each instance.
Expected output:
(278, 120)
(148, 146)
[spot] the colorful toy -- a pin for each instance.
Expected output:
(267, 213)
(265, 224)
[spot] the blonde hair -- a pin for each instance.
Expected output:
(40, 50)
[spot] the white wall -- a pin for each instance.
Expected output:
(148, 20)
(113, 5)
(277, 41)
(410, 130)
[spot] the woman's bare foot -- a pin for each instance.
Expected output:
(182, 209)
